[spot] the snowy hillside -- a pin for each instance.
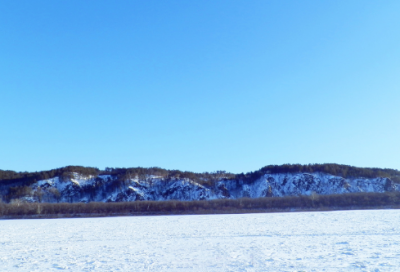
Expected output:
(111, 188)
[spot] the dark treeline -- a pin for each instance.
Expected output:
(313, 202)
(27, 178)
(141, 173)
(341, 170)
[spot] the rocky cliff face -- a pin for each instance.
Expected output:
(108, 188)
(304, 184)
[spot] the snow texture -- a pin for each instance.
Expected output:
(108, 188)
(306, 241)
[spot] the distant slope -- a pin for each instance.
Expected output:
(87, 184)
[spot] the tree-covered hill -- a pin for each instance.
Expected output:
(89, 184)
(26, 178)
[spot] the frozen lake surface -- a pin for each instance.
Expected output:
(307, 241)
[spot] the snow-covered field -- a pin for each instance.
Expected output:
(305, 241)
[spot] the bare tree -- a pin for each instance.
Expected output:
(314, 196)
(56, 194)
(39, 194)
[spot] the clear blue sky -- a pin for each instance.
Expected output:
(199, 85)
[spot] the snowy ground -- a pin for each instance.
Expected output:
(309, 241)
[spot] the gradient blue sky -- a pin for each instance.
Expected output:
(199, 85)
